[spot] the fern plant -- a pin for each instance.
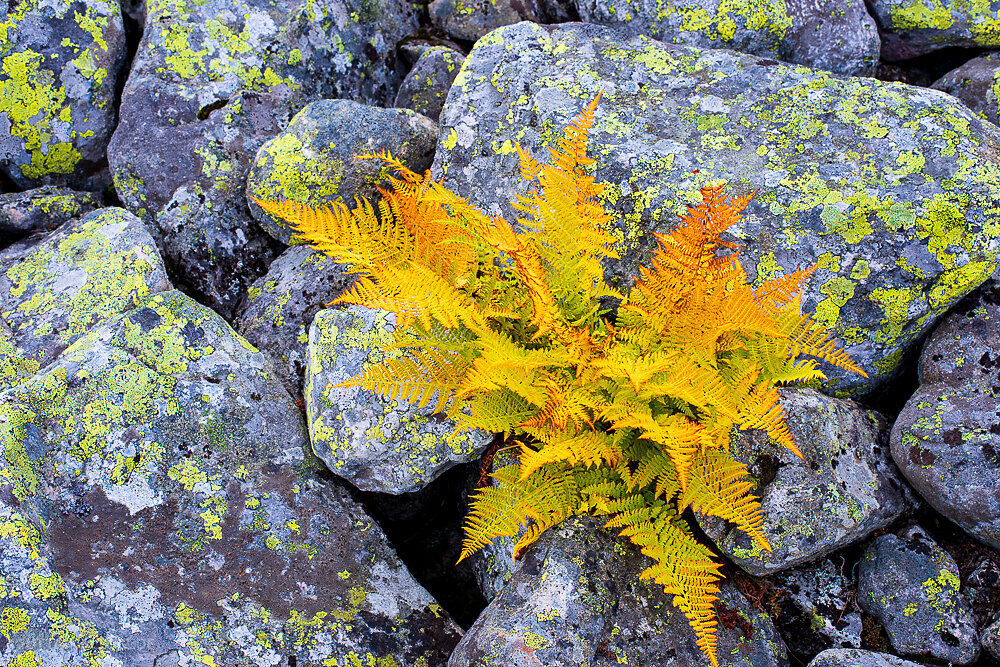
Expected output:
(625, 415)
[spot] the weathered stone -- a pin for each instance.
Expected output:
(158, 502)
(845, 488)
(893, 190)
(946, 440)
(911, 28)
(426, 86)
(281, 305)
(61, 61)
(376, 443)
(990, 638)
(42, 209)
(818, 607)
(313, 161)
(576, 599)
(56, 288)
(835, 35)
(977, 83)
(211, 82)
(849, 657)
(911, 585)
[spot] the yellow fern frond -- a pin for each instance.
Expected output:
(585, 448)
(416, 379)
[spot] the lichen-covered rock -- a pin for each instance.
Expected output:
(55, 288)
(849, 657)
(818, 606)
(42, 209)
(471, 19)
(946, 440)
(426, 86)
(911, 28)
(313, 160)
(376, 443)
(893, 190)
(281, 305)
(158, 505)
(845, 488)
(211, 82)
(836, 35)
(990, 638)
(576, 599)
(977, 83)
(911, 585)
(61, 61)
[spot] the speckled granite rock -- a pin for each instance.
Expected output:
(158, 505)
(281, 305)
(835, 35)
(848, 657)
(845, 488)
(210, 84)
(990, 638)
(911, 28)
(61, 63)
(892, 189)
(471, 19)
(911, 585)
(576, 599)
(946, 440)
(818, 606)
(42, 209)
(426, 86)
(312, 161)
(977, 83)
(377, 444)
(55, 288)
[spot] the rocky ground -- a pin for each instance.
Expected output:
(181, 483)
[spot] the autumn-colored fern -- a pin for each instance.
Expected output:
(628, 416)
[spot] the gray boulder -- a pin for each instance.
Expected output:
(818, 606)
(159, 505)
(845, 488)
(911, 28)
(835, 35)
(990, 638)
(576, 599)
(57, 287)
(313, 160)
(42, 209)
(426, 86)
(946, 440)
(61, 63)
(975, 83)
(911, 586)
(280, 306)
(472, 19)
(209, 85)
(376, 443)
(850, 657)
(890, 188)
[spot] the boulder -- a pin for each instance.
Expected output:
(977, 83)
(946, 440)
(55, 288)
(61, 63)
(845, 487)
(912, 28)
(280, 306)
(42, 210)
(159, 505)
(375, 443)
(314, 161)
(891, 189)
(576, 599)
(849, 657)
(911, 585)
(426, 86)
